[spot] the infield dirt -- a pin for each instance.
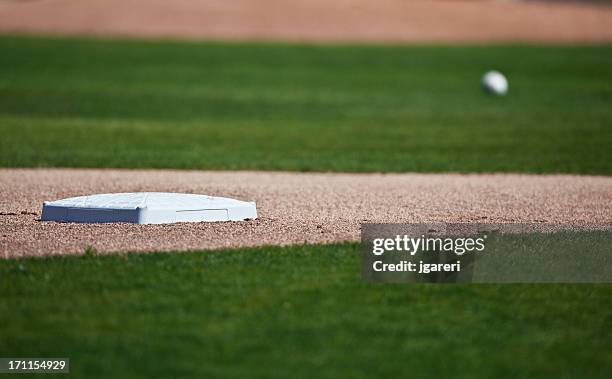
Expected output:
(293, 208)
(314, 20)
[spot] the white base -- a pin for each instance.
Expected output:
(147, 208)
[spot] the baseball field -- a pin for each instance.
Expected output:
(325, 128)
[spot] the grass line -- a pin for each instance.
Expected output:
(303, 107)
(298, 311)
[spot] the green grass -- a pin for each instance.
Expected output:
(107, 103)
(299, 312)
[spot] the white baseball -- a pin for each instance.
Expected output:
(494, 82)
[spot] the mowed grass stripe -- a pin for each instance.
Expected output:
(112, 103)
(298, 311)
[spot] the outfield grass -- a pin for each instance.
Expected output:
(299, 312)
(106, 103)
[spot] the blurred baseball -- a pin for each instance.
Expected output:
(495, 83)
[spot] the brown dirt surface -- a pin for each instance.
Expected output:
(314, 20)
(293, 208)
